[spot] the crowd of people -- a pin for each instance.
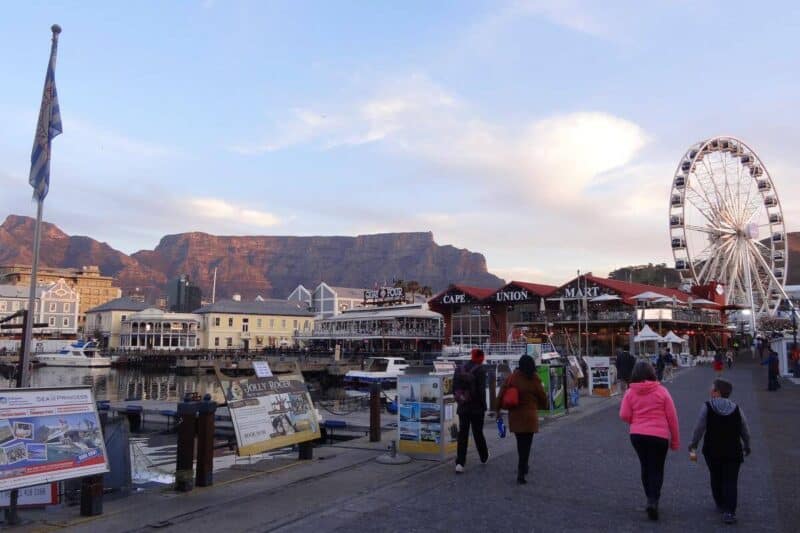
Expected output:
(647, 407)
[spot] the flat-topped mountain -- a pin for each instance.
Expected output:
(255, 265)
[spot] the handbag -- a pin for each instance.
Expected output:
(510, 398)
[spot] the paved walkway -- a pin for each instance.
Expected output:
(584, 477)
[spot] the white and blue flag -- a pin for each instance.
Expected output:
(49, 126)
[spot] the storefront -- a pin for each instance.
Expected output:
(515, 306)
(467, 317)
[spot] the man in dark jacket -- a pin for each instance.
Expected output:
(726, 443)
(471, 379)
(624, 364)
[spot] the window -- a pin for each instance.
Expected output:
(283, 324)
(15, 306)
(230, 322)
(271, 323)
(229, 342)
(216, 321)
(305, 324)
(3, 306)
(65, 323)
(216, 340)
(245, 324)
(123, 317)
(52, 321)
(52, 307)
(258, 323)
(66, 307)
(294, 325)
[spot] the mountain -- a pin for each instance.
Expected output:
(266, 266)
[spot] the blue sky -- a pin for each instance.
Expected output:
(542, 134)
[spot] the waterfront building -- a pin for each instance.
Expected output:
(183, 296)
(402, 328)
(154, 329)
(56, 305)
(93, 288)
(104, 322)
(268, 323)
(301, 295)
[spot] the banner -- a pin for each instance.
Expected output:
(49, 435)
(269, 413)
(427, 421)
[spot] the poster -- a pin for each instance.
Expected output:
(601, 379)
(49, 435)
(45, 494)
(552, 378)
(425, 413)
(269, 413)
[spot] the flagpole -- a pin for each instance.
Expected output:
(49, 106)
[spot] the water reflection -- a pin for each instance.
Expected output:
(117, 384)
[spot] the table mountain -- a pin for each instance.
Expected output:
(266, 266)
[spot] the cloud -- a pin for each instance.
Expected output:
(216, 209)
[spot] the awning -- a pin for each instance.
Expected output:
(648, 335)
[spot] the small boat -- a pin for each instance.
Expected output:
(79, 353)
(383, 370)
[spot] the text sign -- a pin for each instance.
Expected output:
(262, 369)
(512, 296)
(581, 292)
(46, 494)
(48, 435)
(384, 294)
(457, 298)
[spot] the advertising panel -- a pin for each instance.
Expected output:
(602, 376)
(269, 413)
(45, 494)
(552, 378)
(426, 414)
(49, 435)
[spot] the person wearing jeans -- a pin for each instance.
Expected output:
(649, 410)
(471, 413)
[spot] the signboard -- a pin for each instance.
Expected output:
(426, 414)
(384, 295)
(454, 298)
(602, 376)
(654, 314)
(552, 378)
(262, 369)
(46, 494)
(49, 435)
(270, 412)
(511, 295)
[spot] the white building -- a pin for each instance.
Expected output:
(154, 329)
(57, 305)
(326, 300)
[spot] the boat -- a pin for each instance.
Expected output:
(79, 353)
(382, 370)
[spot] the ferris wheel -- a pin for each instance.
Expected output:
(726, 224)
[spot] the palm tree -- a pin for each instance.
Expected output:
(413, 287)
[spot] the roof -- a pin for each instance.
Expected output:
(120, 304)
(270, 306)
(151, 313)
(478, 293)
(14, 291)
(538, 289)
(379, 313)
(627, 289)
(348, 292)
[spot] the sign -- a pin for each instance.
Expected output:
(46, 494)
(269, 412)
(602, 376)
(426, 414)
(262, 369)
(444, 367)
(48, 435)
(654, 314)
(384, 295)
(552, 378)
(573, 293)
(512, 296)
(458, 298)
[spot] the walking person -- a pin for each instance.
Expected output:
(773, 369)
(661, 364)
(717, 364)
(729, 358)
(523, 419)
(650, 411)
(725, 445)
(624, 364)
(469, 389)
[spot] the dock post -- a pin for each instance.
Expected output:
(375, 412)
(92, 495)
(492, 387)
(305, 451)
(205, 442)
(184, 460)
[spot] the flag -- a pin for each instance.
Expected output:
(48, 127)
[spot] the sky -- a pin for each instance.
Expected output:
(544, 135)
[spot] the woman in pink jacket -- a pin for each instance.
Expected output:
(648, 408)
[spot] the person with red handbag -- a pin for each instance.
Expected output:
(522, 394)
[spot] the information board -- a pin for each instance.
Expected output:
(427, 421)
(45, 494)
(269, 413)
(552, 378)
(49, 435)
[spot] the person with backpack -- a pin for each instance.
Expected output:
(661, 364)
(649, 410)
(624, 364)
(523, 415)
(469, 389)
(725, 445)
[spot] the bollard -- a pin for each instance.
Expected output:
(205, 442)
(305, 451)
(92, 496)
(375, 412)
(184, 460)
(492, 388)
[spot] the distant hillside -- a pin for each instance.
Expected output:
(267, 266)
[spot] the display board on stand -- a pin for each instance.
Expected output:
(602, 376)
(426, 416)
(49, 435)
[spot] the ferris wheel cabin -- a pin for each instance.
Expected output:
(676, 200)
(775, 218)
(777, 237)
(681, 265)
(680, 182)
(675, 221)
(678, 243)
(770, 201)
(764, 186)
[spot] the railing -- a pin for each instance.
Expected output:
(432, 333)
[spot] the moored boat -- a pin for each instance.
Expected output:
(382, 370)
(76, 354)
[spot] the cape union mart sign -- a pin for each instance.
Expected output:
(512, 296)
(581, 292)
(457, 298)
